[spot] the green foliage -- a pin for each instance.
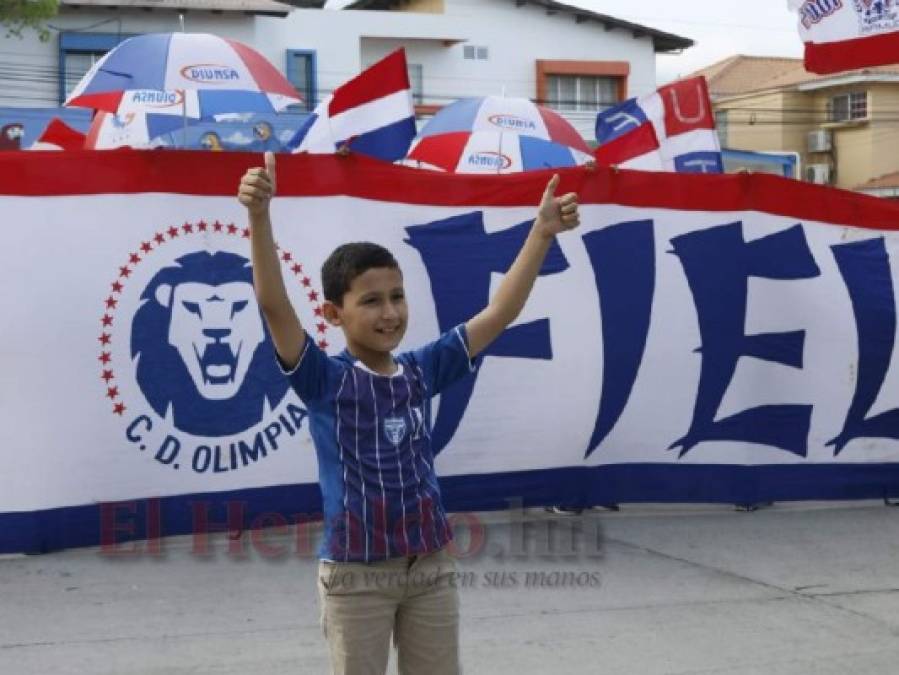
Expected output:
(17, 16)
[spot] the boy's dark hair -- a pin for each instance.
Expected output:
(347, 262)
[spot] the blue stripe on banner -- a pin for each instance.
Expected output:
(54, 529)
(537, 153)
(388, 143)
(137, 63)
(459, 116)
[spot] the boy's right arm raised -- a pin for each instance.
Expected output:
(257, 187)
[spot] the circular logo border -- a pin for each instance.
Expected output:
(110, 304)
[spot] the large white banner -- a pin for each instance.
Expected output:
(698, 338)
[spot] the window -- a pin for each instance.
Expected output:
(78, 52)
(845, 107)
(416, 80)
(581, 92)
(475, 53)
(301, 74)
(721, 127)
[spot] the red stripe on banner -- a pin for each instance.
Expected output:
(387, 76)
(85, 172)
(833, 57)
(640, 141)
(561, 131)
(441, 150)
(687, 106)
(266, 75)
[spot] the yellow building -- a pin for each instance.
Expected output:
(843, 127)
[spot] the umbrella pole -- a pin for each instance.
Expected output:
(184, 118)
(499, 150)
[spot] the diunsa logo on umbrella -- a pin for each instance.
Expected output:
(209, 73)
(511, 122)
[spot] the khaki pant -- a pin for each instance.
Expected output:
(415, 599)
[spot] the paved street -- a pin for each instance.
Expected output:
(806, 588)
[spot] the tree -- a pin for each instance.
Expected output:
(16, 16)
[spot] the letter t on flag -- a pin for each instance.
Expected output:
(373, 112)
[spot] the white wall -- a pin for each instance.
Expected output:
(516, 37)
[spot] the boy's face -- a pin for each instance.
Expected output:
(374, 312)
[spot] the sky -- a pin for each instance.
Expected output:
(719, 28)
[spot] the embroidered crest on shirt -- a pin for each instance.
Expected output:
(395, 429)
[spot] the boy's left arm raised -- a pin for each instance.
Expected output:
(554, 215)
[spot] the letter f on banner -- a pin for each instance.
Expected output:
(459, 256)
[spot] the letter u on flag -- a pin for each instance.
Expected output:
(373, 112)
(847, 34)
(672, 129)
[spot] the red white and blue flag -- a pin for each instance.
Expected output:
(373, 112)
(672, 129)
(842, 35)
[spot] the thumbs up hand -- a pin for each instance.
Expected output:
(257, 187)
(556, 214)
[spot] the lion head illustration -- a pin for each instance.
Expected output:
(201, 347)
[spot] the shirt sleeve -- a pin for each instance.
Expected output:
(446, 360)
(313, 374)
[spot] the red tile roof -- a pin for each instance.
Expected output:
(742, 74)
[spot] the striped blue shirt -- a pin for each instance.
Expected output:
(372, 436)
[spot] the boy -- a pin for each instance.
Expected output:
(384, 567)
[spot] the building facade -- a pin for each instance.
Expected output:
(844, 128)
(572, 59)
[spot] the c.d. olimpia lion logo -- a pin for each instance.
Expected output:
(186, 358)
